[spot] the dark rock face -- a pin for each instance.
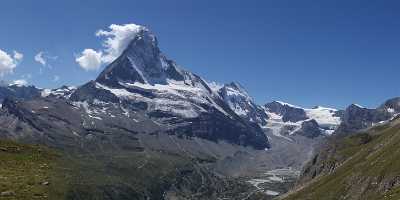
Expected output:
(89, 92)
(310, 129)
(289, 113)
(356, 118)
(214, 126)
(58, 123)
(19, 92)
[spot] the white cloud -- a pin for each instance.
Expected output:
(18, 56)
(8, 63)
(20, 82)
(89, 59)
(40, 59)
(56, 78)
(115, 41)
(43, 58)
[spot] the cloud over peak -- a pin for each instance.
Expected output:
(115, 41)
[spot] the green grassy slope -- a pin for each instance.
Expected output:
(35, 172)
(364, 166)
(26, 172)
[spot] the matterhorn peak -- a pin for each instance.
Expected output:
(141, 61)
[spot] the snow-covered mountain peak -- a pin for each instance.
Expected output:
(235, 89)
(242, 103)
(143, 62)
(143, 74)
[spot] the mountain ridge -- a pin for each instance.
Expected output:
(142, 78)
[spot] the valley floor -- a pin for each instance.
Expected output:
(275, 182)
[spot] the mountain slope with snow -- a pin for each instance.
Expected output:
(142, 79)
(242, 104)
(286, 119)
(280, 118)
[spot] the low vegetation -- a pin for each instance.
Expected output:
(26, 172)
(364, 166)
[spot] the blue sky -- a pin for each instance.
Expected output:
(330, 53)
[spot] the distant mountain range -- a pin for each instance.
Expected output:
(284, 119)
